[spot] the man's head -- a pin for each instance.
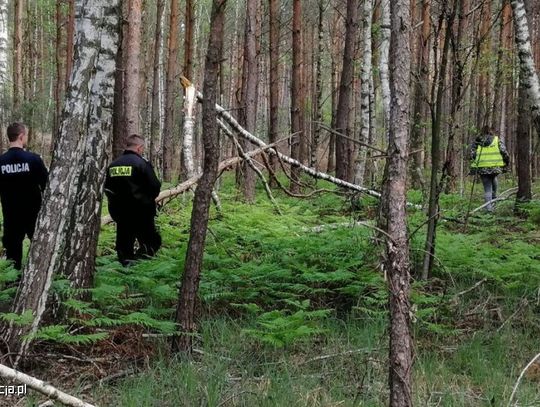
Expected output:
(135, 143)
(17, 134)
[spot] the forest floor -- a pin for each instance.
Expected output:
(291, 315)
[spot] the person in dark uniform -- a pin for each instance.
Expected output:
(23, 176)
(132, 187)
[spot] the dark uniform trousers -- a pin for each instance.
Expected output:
(16, 227)
(140, 227)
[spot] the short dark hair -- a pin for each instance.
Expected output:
(134, 140)
(14, 130)
(487, 130)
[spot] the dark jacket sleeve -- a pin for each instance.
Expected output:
(472, 152)
(154, 185)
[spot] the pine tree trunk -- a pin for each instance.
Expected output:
(70, 37)
(201, 204)
(132, 57)
(523, 159)
(155, 127)
(119, 131)
(343, 146)
(318, 101)
(170, 94)
(58, 78)
(297, 92)
(249, 96)
(393, 205)
(421, 85)
(65, 240)
(273, 125)
(527, 75)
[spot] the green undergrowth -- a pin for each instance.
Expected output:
(276, 294)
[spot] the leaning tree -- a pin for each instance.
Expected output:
(66, 234)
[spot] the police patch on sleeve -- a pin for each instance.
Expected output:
(121, 171)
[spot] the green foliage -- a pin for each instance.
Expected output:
(60, 334)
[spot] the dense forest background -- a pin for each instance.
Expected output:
(335, 251)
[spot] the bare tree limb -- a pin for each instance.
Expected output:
(42, 387)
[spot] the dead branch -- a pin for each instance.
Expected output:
(42, 387)
(510, 192)
(514, 390)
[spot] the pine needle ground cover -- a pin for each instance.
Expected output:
(294, 315)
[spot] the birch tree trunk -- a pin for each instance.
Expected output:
(65, 240)
(133, 56)
(201, 203)
(527, 75)
(393, 213)
(189, 128)
(365, 77)
(383, 61)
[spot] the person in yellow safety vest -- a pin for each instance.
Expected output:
(489, 158)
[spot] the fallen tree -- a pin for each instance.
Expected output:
(42, 387)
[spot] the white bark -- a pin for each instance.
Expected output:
(383, 61)
(365, 75)
(66, 233)
(42, 387)
(189, 128)
(528, 71)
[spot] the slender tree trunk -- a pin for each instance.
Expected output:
(273, 125)
(528, 76)
(58, 78)
(484, 89)
(318, 101)
(155, 127)
(132, 58)
(70, 37)
(119, 131)
(343, 146)
(17, 57)
(201, 204)
(393, 210)
(383, 61)
(436, 123)
(365, 94)
(523, 138)
(421, 86)
(4, 79)
(498, 94)
(297, 93)
(246, 178)
(170, 94)
(65, 241)
(188, 40)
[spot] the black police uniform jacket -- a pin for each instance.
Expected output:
(131, 186)
(23, 176)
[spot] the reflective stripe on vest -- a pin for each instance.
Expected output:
(489, 156)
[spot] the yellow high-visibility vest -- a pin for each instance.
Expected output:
(489, 156)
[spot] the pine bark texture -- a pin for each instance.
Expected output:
(203, 193)
(155, 127)
(318, 102)
(273, 122)
(133, 56)
(343, 146)
(297, 93)
(528, 76)
(170, 94)
(393, 209)
(17, 57)
(249, 95)
(523, 141)
(65, 240)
